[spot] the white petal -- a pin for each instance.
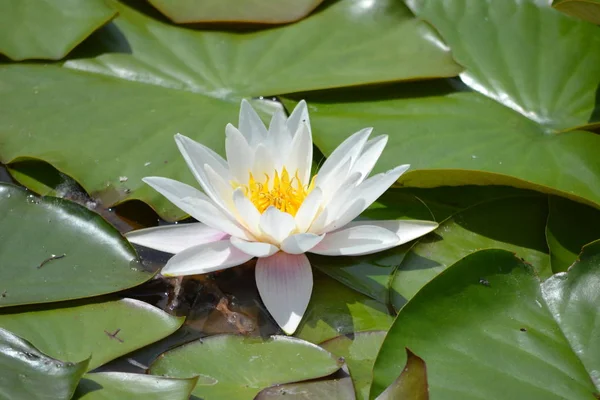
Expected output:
(251, 126)
(300, 243)
(196, 155)
(175, 238)
(371, 153)
(220, 187)
(308, 210)
(337, 178)
(301, 154)
(356, 240)
(339, 199)
(263, 163)
(285, 283)
(276, 224)
(205, 258)
(298, 116)
(364, 195)
(279, 139)
(406, 230)
(256, 249)
(240, 156)
(350, 149)
(247, 211)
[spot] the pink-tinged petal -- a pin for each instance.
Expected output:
(247, 211)
(370, 154)
(298, 116)
(301, 154)
(240, 155)
(285, 283)
(255, 249)
(175, 238)
(308, 210)
(363, 196)
(349, 150)
(251, 126)
(405, 229)
(357, 240)
(300, 243)
(205, 258)
(277, 225)
(196, 204)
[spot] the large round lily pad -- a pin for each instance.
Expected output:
(53, 249)
(514, 337)
(102, 330)
(237, 367)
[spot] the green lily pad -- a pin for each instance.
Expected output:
(588, 10)
(153, 80)
(516, 224)
(126, 386)
(261, 11)
(570, 226)
(469, 138)
(359, 351)
(48, 28)
(29, 374)
(53, 249)
(237, 367)
(527, 56)
(109, 329)
(336, 309)
(513, 338)
(331, 389)
(412, 382)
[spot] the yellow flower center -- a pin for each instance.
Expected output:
(284, 193)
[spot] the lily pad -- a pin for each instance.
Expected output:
(527, 56)
(359, 351)
(29, 374)
(336, 309)
(570, 226)
(53, 249)
(516, 224)
(237, 367)
(588, 10)
(412, 382)
(109, 328)
(257, 11)
(48, 28)
(126, 386)
(332, 389)
(513, 338)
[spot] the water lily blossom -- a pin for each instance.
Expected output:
(263, 202)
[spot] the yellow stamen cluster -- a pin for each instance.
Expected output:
(284, 193)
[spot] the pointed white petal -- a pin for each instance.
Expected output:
(263, 163)
(285, 283)
(364, 195)
(308, 210)
(371, 153)
(205, 258)
(301, 154)
(357, 240)
(337, 178)
(330, 209)
(256, 249)
(298, 116)
(220, 187)
(279, 140)
(406, 230)
(251, 126)
(276, 224)
(350, 149)
(196, 155)
(300, 243)
(175, 238)
(247, 211)
(240, 156)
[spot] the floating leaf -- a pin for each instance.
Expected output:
(48, 28)
(29, 374)
(53, 249)
(331, 389)
(516, 224)
(125, 386)
(103, 330)
(588, 10)
(412, 382)
(535, 334)
(237, 367)
(570, 227)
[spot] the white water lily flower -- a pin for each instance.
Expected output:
(262, 202)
